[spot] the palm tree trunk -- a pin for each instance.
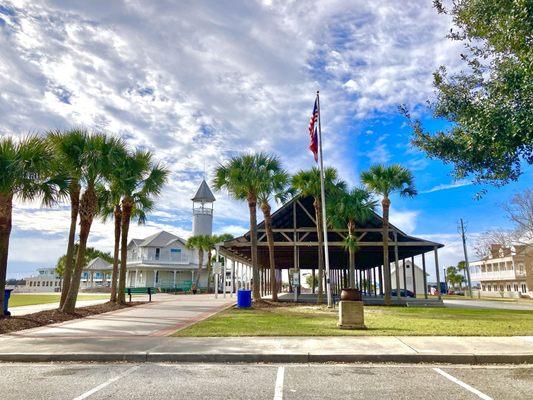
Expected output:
(252, 206)
(127, 206)
(6, 210)
(320, 234)
(351, 252)
(118, 227)
(69, 262)
(200, 262)
(265, 207)
(88, 208)
(385, 203)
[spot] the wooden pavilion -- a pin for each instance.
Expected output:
(296, 246)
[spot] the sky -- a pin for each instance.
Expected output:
(199, 81)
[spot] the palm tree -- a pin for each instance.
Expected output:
(242, 176)
(69, 148)
(385, 180)
(138, 179)
(109, 204)
(201, 243)
(98, 160)
(25, 172)
(212, 241)
(274, 184)
(349, 209)
(307, 183)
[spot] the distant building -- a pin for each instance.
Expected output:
(45, 280)
(419, 277)
(504, 272)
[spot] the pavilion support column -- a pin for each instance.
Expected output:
(425, 277)
(435, 249)
(396, 265)
(380, 272)
(313, 285)
(414, 275)
(374, 280)
(404, 274)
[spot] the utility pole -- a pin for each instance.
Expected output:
(467, 265)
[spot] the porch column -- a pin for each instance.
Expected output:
(114, 278)
(155, 278)
(174, 279)
(425, 277)
(313, 285)
(414, 275)
(435, 249)
(136, 278)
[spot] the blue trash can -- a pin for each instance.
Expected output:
(244, 298)
(7, 295)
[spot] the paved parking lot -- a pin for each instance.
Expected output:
(263, 381)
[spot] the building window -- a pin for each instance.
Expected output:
(508, 288)
(524, 289)
(483, 288)
(516, 287)
(175, 254)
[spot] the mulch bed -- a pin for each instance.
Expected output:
(47, 317)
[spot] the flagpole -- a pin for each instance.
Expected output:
(323, 196)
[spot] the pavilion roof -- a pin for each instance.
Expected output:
(295, 219)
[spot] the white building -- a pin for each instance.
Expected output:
(164, 261)
(45, 280)
(419, 277)
(504, 272)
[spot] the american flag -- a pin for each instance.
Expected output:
(313, 131)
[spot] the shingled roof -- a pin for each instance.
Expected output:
(204, 194)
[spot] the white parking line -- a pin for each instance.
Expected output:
(278, 392)
(464, 385)
(107, 383)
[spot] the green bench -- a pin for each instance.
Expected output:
(141, 290)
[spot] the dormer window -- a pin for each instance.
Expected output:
(157, 253)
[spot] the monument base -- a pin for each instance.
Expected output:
(351, 315)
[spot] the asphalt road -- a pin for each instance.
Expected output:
(494, 304)
(269, 381)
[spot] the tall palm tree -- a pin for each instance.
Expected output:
(242, 176)
(348, 208)
(110, 206)
(307, 183)
(68, 148)
(98, 160)
(201, 243)
(385, 180)
(25, 172)
(274, 184)
(139, 180)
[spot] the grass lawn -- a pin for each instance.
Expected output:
(313, 320)
(17, 300)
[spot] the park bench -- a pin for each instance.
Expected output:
(141, 290)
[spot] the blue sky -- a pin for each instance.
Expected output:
(199, 81)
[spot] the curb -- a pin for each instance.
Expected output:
(271, 358)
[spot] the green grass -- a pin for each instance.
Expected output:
(380, 321)
(17, 300)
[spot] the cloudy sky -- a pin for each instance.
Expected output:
(199, 81)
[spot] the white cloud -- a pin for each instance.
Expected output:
(446, 186)
(198, 82)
